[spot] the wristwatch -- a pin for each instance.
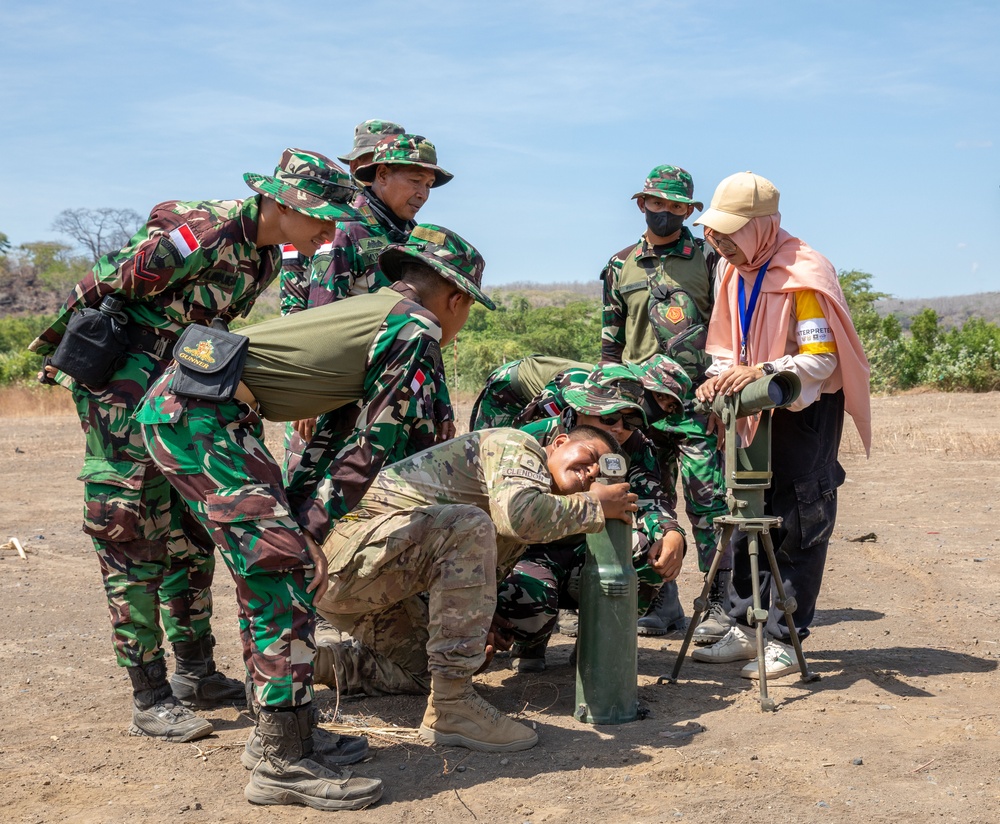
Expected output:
(766, 367)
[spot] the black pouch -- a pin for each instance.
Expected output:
(93, 347)
(209, 362)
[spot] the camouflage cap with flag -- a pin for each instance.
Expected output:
(445, 252)
(670, 183)
(611, 387)
(666, 376)
(309, 183)
(404, 150)
(367, 134)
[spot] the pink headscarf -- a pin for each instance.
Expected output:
(794, 267)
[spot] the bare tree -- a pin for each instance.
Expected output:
(99, 231)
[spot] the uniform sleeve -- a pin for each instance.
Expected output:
(293, 289)
(386, 424)
(656, 515)
(522, 504)
(333, 271)
(613, 314)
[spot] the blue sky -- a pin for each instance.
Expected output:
(878, 121)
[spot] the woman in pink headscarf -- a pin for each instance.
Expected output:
(780, 307)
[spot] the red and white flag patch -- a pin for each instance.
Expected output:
(184, 240)
(288, 252)
(550, 408)
(326, 247)
(418, 380)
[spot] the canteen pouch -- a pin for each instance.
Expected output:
(93, 347)
(209, 363)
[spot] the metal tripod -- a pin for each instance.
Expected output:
(748, 475)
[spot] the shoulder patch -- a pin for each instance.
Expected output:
(635, 286)
(184, 240)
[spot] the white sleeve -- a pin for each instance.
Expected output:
(812, 371)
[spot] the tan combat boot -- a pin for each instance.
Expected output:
(287, 773)
(458, 716)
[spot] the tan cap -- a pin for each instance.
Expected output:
(737, 199)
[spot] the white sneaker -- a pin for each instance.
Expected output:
(778, 660)
(736, 645)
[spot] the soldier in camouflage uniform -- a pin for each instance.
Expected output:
(374, 371)
(190, 263)
(525, 390)
(658, 297)
(449, 522)
(611, 399)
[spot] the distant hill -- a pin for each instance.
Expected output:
(951, 311)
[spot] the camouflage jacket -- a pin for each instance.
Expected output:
(293, 282)
(657, 303)
(504, 473)
(190, 263)
(403, 400)
(348, 265)
(657, 513)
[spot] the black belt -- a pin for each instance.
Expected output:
(156, 342)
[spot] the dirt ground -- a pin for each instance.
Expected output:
(903, 725)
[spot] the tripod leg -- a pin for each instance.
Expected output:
(700, 604)
(788, 606)
(757, 615)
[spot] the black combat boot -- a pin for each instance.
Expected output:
(156, 712)
(287, 774)
(529, 656)
(196, 682)
(329, 749)
(665, 614)
(716, 622)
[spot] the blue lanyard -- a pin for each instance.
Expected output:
(746, 309)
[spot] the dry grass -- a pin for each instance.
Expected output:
(35, 401)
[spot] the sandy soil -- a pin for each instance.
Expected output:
(902, 727)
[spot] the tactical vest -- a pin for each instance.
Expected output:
(635, 282)
(302, 365)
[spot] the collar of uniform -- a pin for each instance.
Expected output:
(249, 214)
(683, 248)
(406, 291)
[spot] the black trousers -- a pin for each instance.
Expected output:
(803, 494)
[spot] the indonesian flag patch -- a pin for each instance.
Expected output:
(325, 248)
(288, 252)
(184, 240)
(550, 408)
(418, 381)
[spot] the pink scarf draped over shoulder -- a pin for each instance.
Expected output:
(794, 266)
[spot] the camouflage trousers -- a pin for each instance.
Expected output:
(546, 579)
(380, 567)
(157, 562)
(700, 462)
(213, 455)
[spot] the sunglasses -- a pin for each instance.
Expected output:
(630, 420)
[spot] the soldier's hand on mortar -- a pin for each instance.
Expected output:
(321, 579)
(667, 555)
(305, 428)
(615, 500)
(498, 637)
(445, 431)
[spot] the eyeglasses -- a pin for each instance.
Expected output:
(630, 420)
(721, 242)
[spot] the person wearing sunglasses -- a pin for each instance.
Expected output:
(613, 399)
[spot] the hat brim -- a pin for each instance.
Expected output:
(676, 198)
(391, 263)
(366, 173)
(355, 153)
(300, 201)
(582, 403)
(723, 222)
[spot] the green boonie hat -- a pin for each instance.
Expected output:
(367, 134)
(663, 374)
(404, 150)
(609, 388)
(445, 252)
(670, 183)
(309, 183)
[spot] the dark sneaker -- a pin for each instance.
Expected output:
(170, 721)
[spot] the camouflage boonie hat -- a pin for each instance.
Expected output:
(404, 150)
(666, 376)
(612, 387)
(309, 183)
(670, 183)
(367, 134)
(445, 252)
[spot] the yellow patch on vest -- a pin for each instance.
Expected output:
(675, 314)
(430, 235)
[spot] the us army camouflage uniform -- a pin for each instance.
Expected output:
(659, 303)
(512, 398)
(448, 521)
(543, 580)
(190, 263)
